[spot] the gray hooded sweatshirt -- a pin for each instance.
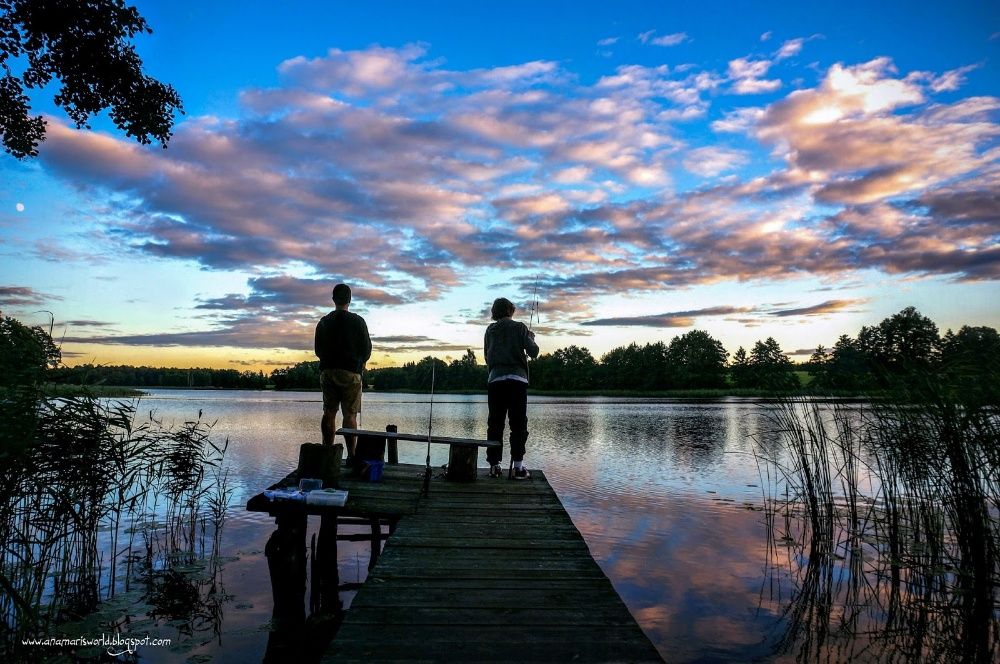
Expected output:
(506, 343)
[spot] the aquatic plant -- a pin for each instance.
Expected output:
(890, 516)
(96, 493)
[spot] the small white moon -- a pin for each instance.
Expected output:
(19, 207)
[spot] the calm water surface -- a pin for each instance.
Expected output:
(660, 490)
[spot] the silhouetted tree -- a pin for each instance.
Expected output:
(84, 44)
(465, 373)
(901, 344)
(25, 355)
(570, 368)
(845, 367)
(696, 360)
(739, 369)
(970, 362)
(770, 368)
(623, 368)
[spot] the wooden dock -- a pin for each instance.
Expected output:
(490, 570)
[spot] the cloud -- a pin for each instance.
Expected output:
(713, 160)
(749, 315)
(608, 41)
(766, 36)
(22, 296)
(848, 136)
(747, 75)
(249, 332)
(671, 319)
(951, 80)
(789, 48)
(383, 168)
(670, 40)
(821, 309)
(266, 363)
(88, 323)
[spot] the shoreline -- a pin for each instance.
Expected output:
(52, 390)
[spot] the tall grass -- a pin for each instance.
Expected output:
(890, 514)
(98, 498)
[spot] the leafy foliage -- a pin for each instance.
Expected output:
(25, 355)
(84, 44)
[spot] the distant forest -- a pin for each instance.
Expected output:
(905, 345)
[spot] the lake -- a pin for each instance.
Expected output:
(665, 493)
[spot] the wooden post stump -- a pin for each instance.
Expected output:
(393, 444)
(321, 462)
(462, 463)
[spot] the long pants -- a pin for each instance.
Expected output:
(507, 399)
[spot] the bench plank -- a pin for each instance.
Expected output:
(420, 438)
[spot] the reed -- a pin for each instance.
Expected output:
(891, 512)
(100, 497)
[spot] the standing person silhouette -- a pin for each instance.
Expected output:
(343, 347)
(508, 344)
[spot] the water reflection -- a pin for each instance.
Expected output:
(635, 475)
(667, 496)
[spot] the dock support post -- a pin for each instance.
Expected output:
(286, 562)
(392, 444)
(327, 569)
(376, 525)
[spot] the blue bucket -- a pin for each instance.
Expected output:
(373, 470)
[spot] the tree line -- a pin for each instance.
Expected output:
(127, 376)
(902, 346)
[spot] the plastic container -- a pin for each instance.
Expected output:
(372, 471)
(310, 484)
(327, 498)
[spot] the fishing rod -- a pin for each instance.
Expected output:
(534, 303)
(533, 314)
(430, 422)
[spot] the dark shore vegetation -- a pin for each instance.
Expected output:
(691, 365)
(109, 520)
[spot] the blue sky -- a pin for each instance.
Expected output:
(750, 169)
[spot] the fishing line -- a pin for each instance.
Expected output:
(534, 302)
(430, 422)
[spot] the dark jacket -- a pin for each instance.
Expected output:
(506, 343)
(342, 341)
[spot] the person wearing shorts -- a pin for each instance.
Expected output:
(343, 348)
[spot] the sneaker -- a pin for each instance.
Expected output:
(496, 470)
(522, 473)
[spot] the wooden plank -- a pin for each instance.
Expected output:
(476, 643)
(598, 616)
(497, 596)
(473, 560)
(420, 438)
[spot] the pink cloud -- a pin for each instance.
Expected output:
(384, 168)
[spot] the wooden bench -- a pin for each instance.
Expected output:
(462, 452)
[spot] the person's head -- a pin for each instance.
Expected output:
(341, 295)
(502, 308)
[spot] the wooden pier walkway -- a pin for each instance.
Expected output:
(490, 570)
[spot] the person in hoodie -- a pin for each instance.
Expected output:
(508, 344)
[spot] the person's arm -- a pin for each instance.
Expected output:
(530, 347)
(317, 341)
